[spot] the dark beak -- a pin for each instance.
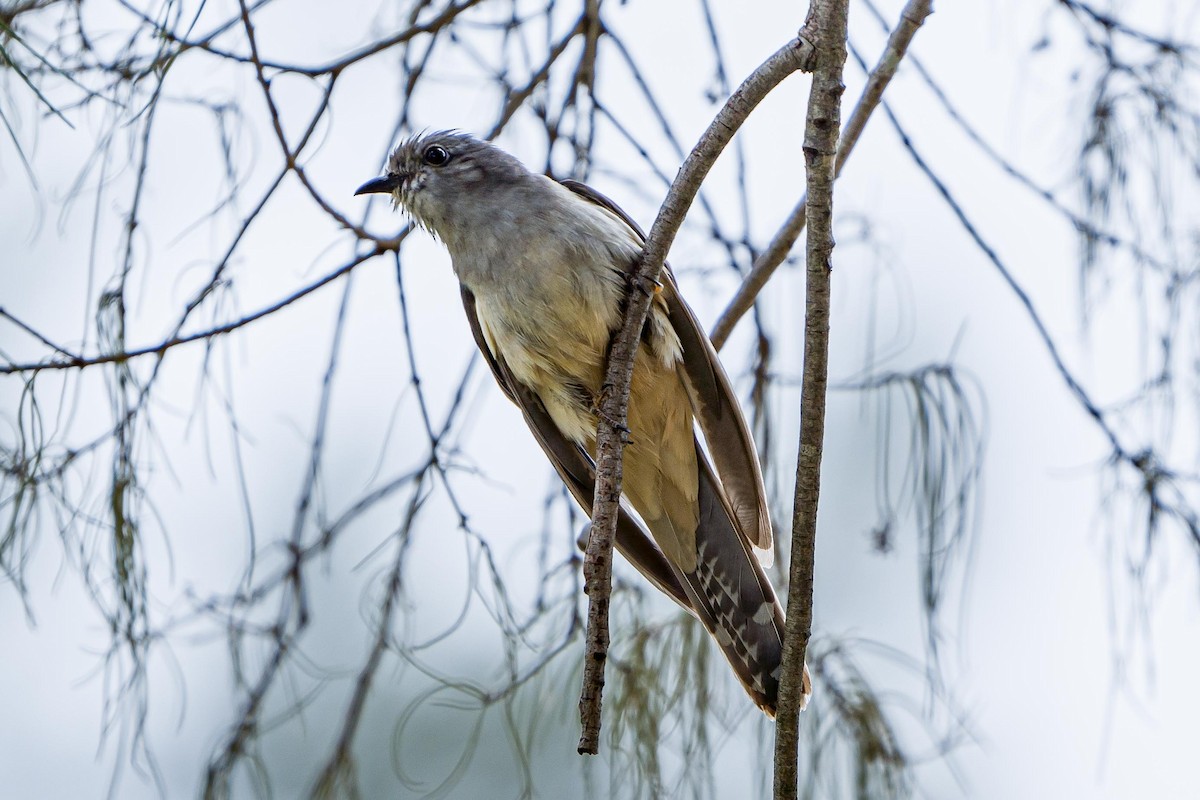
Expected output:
(385, 185)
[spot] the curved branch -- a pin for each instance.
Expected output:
(614, 399)
(76, 362)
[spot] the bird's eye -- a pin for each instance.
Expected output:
(436, 156)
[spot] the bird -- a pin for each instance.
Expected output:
(544, 268)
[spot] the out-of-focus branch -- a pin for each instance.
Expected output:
(1110, 23)
(826, 27)
(1141, 460)
(1077, 221)
(614, 401)
(332, 68)
(36, 334)
(1162, 486)
(517, 98)
(78, 362)
(911, 19)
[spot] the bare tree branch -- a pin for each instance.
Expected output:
(1160, 483)
(826, 27)
(80, 362)
(614, 402)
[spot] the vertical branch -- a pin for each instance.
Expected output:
(614, 401)
(826, 28)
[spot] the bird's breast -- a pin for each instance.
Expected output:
(553, 335)
(547, 306)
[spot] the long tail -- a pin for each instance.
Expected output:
(733, 598)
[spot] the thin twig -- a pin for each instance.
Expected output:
(826, 27)
(75, 362)
(614, 400)
(405, 35)
(36, 334)
(1081, 224)
(911, 19)
(1081, 395)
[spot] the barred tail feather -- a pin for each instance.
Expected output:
(733, 598)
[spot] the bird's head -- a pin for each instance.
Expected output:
(431, 175)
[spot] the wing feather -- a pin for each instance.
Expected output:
(576, 469)
(730, 444)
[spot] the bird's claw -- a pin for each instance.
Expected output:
(648, 286)
(619, 427)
